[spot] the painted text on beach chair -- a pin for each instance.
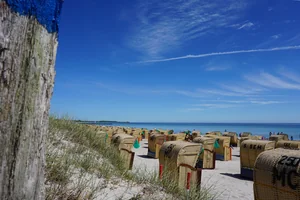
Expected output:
(277, 175)
(249, 151)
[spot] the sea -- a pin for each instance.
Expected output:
(263, 129)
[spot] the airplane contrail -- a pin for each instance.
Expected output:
(222, 53)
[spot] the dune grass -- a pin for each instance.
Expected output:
(80, 165)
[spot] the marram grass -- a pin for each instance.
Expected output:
(77, 150)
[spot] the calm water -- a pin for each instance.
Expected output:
(256, 129)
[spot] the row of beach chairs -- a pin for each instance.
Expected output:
(272, 164)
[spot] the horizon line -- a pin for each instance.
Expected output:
(128, 122)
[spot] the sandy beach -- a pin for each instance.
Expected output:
(225, 179)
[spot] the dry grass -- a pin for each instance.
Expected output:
(80, 165)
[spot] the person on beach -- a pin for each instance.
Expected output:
(292, 138)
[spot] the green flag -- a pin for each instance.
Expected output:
(216, 145)
(187, 132)
(136, 144)
(202, 150)
(106, 136)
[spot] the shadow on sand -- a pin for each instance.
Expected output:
(238, 176)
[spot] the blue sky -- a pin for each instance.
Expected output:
(131, 61)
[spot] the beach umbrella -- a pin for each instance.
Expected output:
(136, 144)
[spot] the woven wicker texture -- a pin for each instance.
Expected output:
(207, 155)
(224, 146)
(128, 158)
(165, 132)
(288, 144)
(218, 133)
(246, 134)
(178, 158)
(174, 137)
(285, 136)
(136, 132)
(146, 133)
(250, 149)
(233, 137)
(223, 142)
(207, 142)
(179, 152)
(257, 137)
(277, 138)
(123, 141)
(196, 134)
(254, 137)
(182, 177)
(155, 138)
(276, 175)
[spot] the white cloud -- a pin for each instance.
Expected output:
(225, 90)
(275, 37)
(294, 40)
(246, 26)
(194, 109)
(270, 81)
(216, 105)
(201, 107)
(219, 92)
(292, 76)
(265, 102)
(162, 26)
(190, 94)
(132, 89)
(223, 53)
(220, 68)
(243, 90)
(246, 101)
(223, 104)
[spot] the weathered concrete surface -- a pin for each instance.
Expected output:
(27, 57)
